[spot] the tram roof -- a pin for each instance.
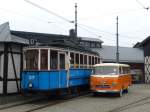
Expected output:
(111, 64)
(60, 48)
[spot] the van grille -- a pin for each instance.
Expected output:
(102, 86)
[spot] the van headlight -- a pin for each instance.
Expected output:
(114, 83)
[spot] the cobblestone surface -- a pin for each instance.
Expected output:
(137, 100)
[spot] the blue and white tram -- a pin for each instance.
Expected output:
(50, 68)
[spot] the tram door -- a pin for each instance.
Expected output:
(61, 60)
(62, 71)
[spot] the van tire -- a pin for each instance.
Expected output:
(95, 93)
(127, 89)
(120, 93)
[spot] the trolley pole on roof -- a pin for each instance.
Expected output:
(75, 19)
(117, 42)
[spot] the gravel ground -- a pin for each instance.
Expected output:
(137, 100)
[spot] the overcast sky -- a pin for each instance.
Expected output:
(96, 18)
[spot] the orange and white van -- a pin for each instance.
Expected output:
(110, 78)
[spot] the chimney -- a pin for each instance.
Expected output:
(72, 33)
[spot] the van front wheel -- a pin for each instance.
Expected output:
(120, 93)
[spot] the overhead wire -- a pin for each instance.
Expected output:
(61, 17)
(112, 39)
(19, 14)
(147, 8)
(48, 11)
(79, 25)
(92, 28)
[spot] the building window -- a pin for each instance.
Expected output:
(98, 45)
(87, 44)
(82, 43)
(92, 45)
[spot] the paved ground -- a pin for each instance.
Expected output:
(137, 100)
(15, 98)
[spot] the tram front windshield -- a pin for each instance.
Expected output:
(106, 70)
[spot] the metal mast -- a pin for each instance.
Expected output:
(117, 42)
(75, 19)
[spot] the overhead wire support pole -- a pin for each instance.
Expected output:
(117, 42)
(76, 20)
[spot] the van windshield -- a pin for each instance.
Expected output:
(106, 70)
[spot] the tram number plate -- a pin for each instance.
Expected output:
(31, 77)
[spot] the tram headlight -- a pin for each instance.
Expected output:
(114, 83)
(30, 85)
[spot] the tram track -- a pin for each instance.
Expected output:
(39, 103)
(21, 103)
(134, 104)
(70, 98)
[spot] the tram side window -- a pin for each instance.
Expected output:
(62, 61)
(85, 61)
(77, 61)
(93, 60)
(72, 60)
(31, 59)
(90, 61)
(44, 59)
(54, 59)
(81, 60)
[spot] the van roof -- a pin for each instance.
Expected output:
(111, 64)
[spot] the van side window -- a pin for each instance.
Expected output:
(120, 70)
(125, 70)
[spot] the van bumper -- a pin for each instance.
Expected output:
(106, 91)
